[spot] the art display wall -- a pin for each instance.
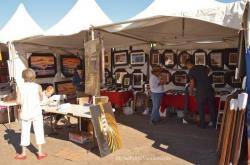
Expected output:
(132, 68)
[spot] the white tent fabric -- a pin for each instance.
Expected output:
(85, 13)
(19, 26)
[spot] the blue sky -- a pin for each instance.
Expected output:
(48, 12)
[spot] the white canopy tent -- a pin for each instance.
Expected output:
(19, 26)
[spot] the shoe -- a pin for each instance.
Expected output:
(21, 157)
(146, 111)
(184, 121)
(40, 157)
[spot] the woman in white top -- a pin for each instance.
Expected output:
(29, 95)
(157, 91)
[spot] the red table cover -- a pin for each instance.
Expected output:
(177, 101)
(119, 99)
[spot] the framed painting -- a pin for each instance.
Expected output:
(231, 57)
(66, 88)
(69, 63)
(219, 79)
(120, 58)
(165, 77)
(169, 58)
(182, 58)
(154, 57)
(107, 60)
(235, 83)
(137, 80)
(109, 81)
(126, 82)
(119, 76)
(137, 58)
(179, 78)
(43, 64)
(216, 59)
(200, 58)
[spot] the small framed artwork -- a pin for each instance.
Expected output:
(69, 63)
(107, 60)
(219, 79)
(137, 58)
(65, 88)
(200, 57)
(126, 82)
(137, 80)
(216, 59)
(165, 77)
(231, 58)
(155, 57)
(169, 58)
(235, 83)
(109, 81)
(43, 64)
(180, 78)
(120, 58)
(119, 76)
(183, 56)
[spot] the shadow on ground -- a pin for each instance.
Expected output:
(186, 141)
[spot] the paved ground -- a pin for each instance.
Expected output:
(169, 143)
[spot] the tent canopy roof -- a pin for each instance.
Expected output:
(83, 15)
(20, 25)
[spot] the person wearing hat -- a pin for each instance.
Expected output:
(157, 91)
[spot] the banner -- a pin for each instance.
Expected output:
(92, 67)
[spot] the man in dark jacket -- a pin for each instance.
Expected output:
(199, 79)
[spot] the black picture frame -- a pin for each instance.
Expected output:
(169, 58)
(216, 59)
(137, 58)
(218, 79)
(65, 88)
(120, 58)
(127, 81)
(137, 80)
(69, 63)
(180, 78)
(182, 57)
(109, 81)
(200, 57)
(231, 57)
(230, 76)
(155, 57)
(119, 74)
(169, 76)
(44, 64)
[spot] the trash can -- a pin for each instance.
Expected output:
(4, 115)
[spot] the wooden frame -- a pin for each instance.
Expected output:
(137, 58)
(43, 64)
(69, 63)
(126, 82)
(200, 58)
(137, 80)
(120, 58)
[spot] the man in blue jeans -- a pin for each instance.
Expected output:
(157, 92)
(199, 79)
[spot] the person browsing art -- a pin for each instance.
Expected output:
(77, 82)
(199, 79)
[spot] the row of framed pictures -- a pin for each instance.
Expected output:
(179, 78)
(215, 58)
(45, 65)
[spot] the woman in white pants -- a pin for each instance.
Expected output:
(29, 95)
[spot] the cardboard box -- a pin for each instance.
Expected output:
(80, 137)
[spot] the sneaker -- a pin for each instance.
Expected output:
(146, 112)
(184, 121)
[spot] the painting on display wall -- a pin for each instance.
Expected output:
(137, 80)
(200, 58)
(155, 57)
(137, 58)
(69, 63)
(120, 58)
(65, 88)
(216, 59)
(43, 64)
(183, 56)
(218, 79)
